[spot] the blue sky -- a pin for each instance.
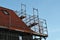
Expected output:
(48, 9)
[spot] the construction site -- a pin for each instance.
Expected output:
(17, 25)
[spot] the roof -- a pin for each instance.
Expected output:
(13, 22)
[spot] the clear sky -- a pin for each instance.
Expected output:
(48, 9)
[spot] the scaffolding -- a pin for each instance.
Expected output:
(22, 13)
(34, 21)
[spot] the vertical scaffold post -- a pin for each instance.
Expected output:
(23, 11)
(35, 10)
(23, 8)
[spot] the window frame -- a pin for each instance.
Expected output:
(5, 12)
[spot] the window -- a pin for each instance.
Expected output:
(20, 37)
(5, 12)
